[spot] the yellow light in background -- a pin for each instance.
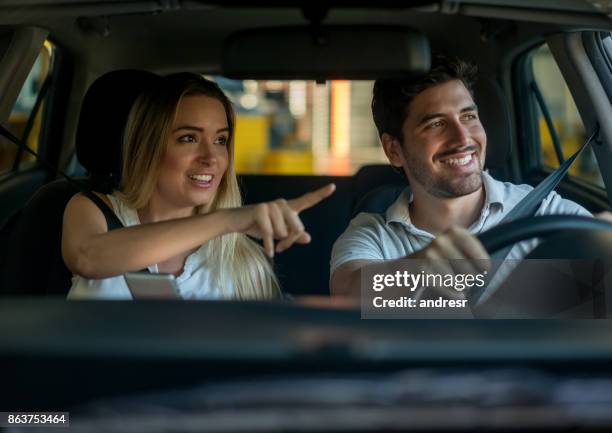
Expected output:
(340, 117)
(48, 46)
(250, 143)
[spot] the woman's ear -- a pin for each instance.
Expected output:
(393, 150)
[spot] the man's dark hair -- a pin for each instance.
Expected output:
(391, 98)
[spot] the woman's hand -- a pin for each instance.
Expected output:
(278, 219)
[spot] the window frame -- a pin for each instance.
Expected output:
(528, 143)
(53, 118)
(45, 118)
(526, 110)
(600, 57)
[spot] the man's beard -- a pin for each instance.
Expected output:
(445, 186)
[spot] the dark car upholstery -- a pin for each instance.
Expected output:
(304, 269)
(33, 262)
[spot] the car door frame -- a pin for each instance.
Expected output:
(576, 68)
(16, 62)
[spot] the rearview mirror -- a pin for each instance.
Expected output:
(328, 52)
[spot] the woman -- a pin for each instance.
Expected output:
(180, 204)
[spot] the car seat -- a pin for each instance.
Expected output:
(32, 263)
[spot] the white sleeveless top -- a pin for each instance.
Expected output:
(196, 281)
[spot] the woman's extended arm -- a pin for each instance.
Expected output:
(91, 251)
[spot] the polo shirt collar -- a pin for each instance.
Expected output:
(494, 190)
(399, 212)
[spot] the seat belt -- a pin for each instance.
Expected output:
(531, 202)
(30, 123)
(528, 206)
(111, 218)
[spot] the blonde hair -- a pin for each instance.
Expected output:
(235, 260)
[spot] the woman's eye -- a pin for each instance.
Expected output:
(221, 141)
(189, 138)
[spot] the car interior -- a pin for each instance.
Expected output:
(114, 361)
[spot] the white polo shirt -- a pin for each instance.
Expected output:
(391, 236)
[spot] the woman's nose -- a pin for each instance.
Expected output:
(206, 153)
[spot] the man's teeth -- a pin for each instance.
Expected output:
(458, 161)
(201, 177)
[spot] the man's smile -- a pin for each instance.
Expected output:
(460, 160)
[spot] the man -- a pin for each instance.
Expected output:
(430, 129)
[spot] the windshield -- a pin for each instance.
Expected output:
(330, 240)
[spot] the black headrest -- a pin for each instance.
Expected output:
(371, 176)
(370, 185)
(495, 117)
(378, 200)
(104, 113)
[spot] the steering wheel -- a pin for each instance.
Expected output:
(522, 229)
(569, 235)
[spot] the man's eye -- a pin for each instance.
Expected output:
(471, 116)
(221, 140)
(189, 138)
(435, 124)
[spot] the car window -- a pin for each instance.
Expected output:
(301, 127)
(25, 119)
(565, 117)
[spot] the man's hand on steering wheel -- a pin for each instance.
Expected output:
(606, 216)
(456, 251)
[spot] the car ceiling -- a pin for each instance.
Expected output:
(168, 35)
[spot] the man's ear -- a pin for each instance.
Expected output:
(393, 149)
